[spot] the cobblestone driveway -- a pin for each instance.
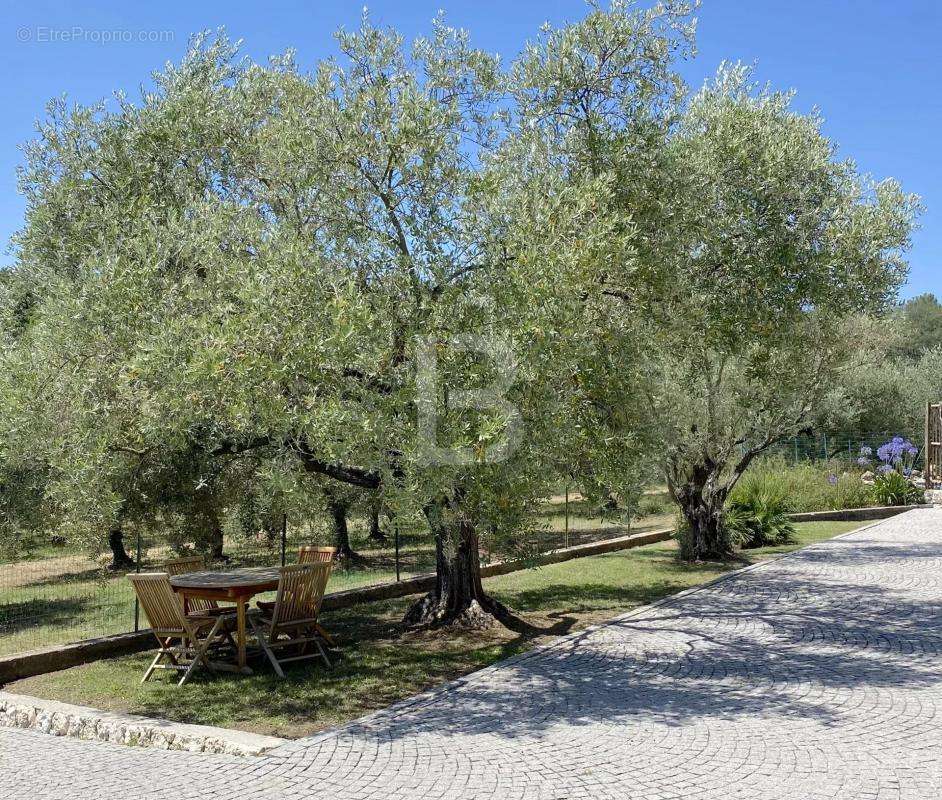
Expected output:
(816, 676)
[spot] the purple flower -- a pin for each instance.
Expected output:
(832, 479)
(897, 440)
(912, 450)
(885, 469)
(866, 451)
(863, 461)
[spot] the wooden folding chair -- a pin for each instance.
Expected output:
(180, 566)
(195, 633)
(293, 619)
(309, 555)
(316, 555)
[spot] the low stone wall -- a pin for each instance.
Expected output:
(51, 659)
(64, 719)
(62, 656)
(852, 514)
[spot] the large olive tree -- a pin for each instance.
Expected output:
(745, 247)
(367, 273)
(768, 247)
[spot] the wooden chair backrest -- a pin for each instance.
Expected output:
(180, 566)
(300, 593)
(315, 555)
(160, 603)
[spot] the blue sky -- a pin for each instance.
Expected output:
(872, 66)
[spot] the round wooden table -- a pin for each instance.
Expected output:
(236, 586)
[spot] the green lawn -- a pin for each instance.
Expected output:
(377, 666)
(62, 595)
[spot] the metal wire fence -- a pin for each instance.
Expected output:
(59, 593)
(842, 446)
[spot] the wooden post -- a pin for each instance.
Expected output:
(567, 516)
(927, 452)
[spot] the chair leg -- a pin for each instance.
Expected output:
(262, 639)
(153, 664)
(325, 635)
(320, 649)
(200, 656)
(189, 672)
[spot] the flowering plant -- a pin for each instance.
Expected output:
(892, 485)
(896, 455)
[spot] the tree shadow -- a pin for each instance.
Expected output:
(37, 612)
(749, 645)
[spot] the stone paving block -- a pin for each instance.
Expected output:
(814, 677)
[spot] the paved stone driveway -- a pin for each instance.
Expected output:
(817, 676)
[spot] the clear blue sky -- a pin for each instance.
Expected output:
(872, 66)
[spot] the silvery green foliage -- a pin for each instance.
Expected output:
(772, 249)
(229, 282)
(746, 247)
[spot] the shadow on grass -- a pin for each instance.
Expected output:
(27, 614)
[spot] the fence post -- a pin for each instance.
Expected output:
(566, 528)
(284, 537)
(396, 541)
(137, 604)
(926, 462)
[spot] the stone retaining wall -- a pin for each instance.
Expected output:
(64, 719)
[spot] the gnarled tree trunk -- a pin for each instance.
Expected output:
(701, 486)
(119, 556)
(458, 598)
(338, 512)
(703, 509)
(376, 533)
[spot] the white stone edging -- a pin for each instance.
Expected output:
(82, 722)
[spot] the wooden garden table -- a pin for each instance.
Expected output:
(237, 586)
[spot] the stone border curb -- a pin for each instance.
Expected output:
(81, 722)
(854, 514)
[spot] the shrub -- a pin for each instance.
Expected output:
(803, 487)
(892, 489)
(652, 504)
(759, 519)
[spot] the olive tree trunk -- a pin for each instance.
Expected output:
(119, 555)
(702, 507)
(458, 598)
(700, 485)
(338, 512)
(376, 532)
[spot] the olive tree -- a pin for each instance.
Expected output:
(366, 273)
(769, 248)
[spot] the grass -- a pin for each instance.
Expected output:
(62, 595)
(377, 665)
